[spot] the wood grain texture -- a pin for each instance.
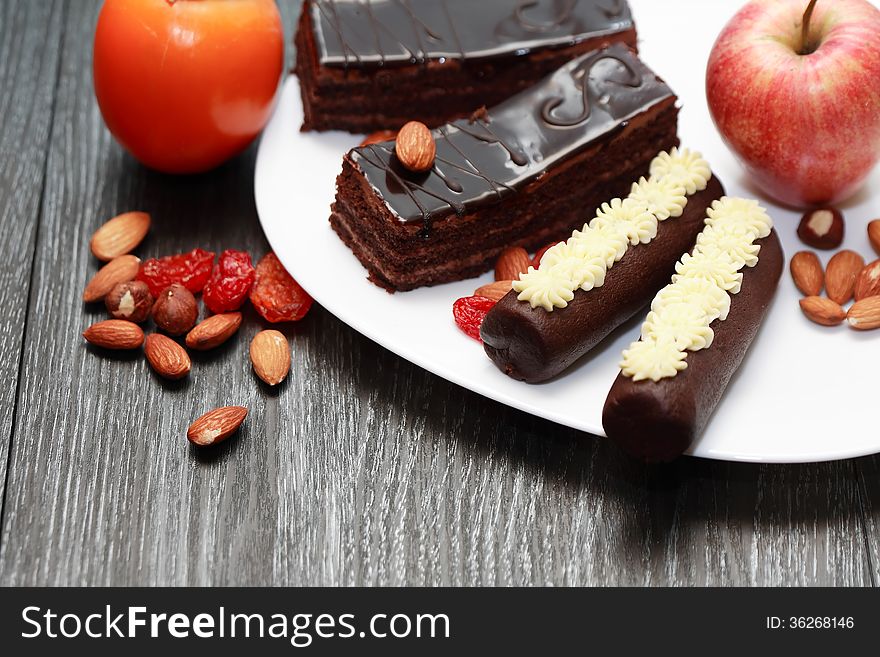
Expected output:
(361, 469)
(869, 489)
(30, 35)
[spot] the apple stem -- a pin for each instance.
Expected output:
(807, 47)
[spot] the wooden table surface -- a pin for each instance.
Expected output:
(362, 469)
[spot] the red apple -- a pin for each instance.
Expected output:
(794, 89)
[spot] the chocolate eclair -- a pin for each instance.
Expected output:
(533, 337)
(696, 335)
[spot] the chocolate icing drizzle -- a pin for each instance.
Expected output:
(374, 33)
(484, 159)
(582, 71)
(617, 9)
(562, 15)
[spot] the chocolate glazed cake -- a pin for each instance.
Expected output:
(367, 65)
(524, 173)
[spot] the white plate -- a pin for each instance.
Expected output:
(804, 393)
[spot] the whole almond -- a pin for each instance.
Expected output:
(841, 274)
(806, 270)
(823, 311)
(213, 332)
(495, 291)
(415, 147)
(511, 263)
(166, 357)
(874, 234)
(270, 356)
(120, 235)
(216, 426)
(868, 282)
(119, 270)
(115, 334)
(864, 315)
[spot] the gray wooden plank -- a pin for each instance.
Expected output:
(30, 40)
(764, 525)
(104, 487)
(441, 487)
(362, 469)
(868, 470)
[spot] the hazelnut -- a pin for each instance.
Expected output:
(822, 228)
(131, 301)
(176, 310)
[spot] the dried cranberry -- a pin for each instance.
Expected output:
(470, 312)
(230, 282)
(189, 269)
(275, 295)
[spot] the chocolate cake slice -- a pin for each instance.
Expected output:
(524, 173)
(366, 65)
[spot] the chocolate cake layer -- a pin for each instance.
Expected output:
(533, 345)
(365, 66)
(524, 173)
(659, 421)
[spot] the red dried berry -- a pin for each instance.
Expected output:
(275, 295)
(536, 261)
(469, 313)
(230, 282)
(191, 270)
